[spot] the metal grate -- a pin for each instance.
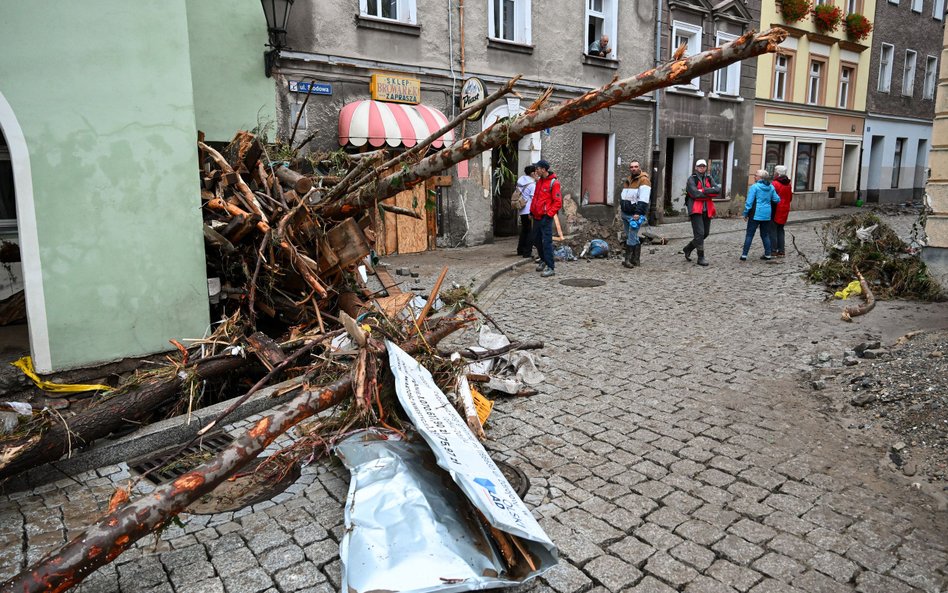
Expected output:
(164, 466)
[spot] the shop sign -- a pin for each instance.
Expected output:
(472, 91)
(385, 87)
(313, 88)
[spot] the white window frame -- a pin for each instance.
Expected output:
(845, 84)
(917, 6)
(7, 225)
(813, 82)
(931, 77)
(818, 165)
(897, 150)
(522, 25)
(786, 77)
(405, 9)
(852, 6)
(896, 2)
(696, 32)
(908, 73)
(730, 76)
(938, 10)
(885, 67)
(610, 18)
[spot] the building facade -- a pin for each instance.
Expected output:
(811, 101)
(100, 106)
(900, 106)
(708, 118)
(935, 254)
(432, 48)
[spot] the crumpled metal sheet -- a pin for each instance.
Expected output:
(510, 373)
(408, 527)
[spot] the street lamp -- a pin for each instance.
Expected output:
(277, 13)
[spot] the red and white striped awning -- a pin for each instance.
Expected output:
(394, 124)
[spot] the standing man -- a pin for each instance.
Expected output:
(600, 48)
(700, 191)
(636, 193)
(526, 184)
(547, 200)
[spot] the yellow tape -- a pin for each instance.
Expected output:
(25, 364)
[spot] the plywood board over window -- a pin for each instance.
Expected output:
(404, 234)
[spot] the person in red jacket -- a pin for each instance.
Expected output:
(547, 200)
(781, 183)
(700, 191)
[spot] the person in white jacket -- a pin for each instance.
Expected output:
(526, 184)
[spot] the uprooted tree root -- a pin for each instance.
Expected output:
(888, 264)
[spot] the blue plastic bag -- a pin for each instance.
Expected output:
(598, 248)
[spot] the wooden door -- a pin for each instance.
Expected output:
(595, 151)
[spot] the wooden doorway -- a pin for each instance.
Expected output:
(595, 174)
(404, 234)
(504, 173)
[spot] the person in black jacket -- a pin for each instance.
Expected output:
(700, 191)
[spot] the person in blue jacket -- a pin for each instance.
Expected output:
(757, 210)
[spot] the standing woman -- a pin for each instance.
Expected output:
(526, 184)
(782, 210)
(700, 192)
(757, 212)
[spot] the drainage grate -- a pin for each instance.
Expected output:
(582, 282)
(518, 480)
(166, 467)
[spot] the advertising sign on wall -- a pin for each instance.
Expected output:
(397, 89)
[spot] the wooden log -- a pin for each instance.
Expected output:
(293, 180)
(503, 132)
(102, 542)
(266, 350)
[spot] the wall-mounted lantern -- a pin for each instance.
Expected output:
(278, 14)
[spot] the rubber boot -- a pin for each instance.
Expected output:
(701, 260)
(627, 260)
(687, 250)
(637, 255)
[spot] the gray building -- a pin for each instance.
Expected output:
(432, 47)
(712, 117)
(900, 106)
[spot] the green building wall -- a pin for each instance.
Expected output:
(102, 91)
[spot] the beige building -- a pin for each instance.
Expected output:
(936, 227)
(811, 101)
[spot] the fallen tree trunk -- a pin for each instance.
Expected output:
(505, 131)
(118, 530)
(109, 416)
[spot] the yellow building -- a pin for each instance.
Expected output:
(811, 102)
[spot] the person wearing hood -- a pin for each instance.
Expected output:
(547, 200)
(700, 193)
(757, 212)
(781, 211)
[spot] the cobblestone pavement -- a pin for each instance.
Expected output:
(673, 448)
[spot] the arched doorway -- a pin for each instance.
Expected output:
(16, 185)
(506, 165)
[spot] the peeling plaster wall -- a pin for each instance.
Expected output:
(109, 125)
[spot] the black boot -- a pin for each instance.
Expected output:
(627, 259)
(637, 255)
(687, 250)
(701, 260)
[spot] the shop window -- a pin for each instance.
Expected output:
(931, 72)
(601, 18)
(690, 36)
(396, 10)
(727, 81)
(908, 73)
(846, 77)
(885, 67)
(509, 20)
(717, 163)
(775, 153)
(804, 171)
(897, 161)
(781, 77)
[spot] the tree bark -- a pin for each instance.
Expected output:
(102, 419)
(118, 530)
(503, 132)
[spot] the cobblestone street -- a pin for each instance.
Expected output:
(673, 447)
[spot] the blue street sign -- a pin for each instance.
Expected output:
(313, 88)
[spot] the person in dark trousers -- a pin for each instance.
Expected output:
(758, 211)
(547, 200)
(700, 193)
(634, 201)
(782, 184)
(526, 184)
